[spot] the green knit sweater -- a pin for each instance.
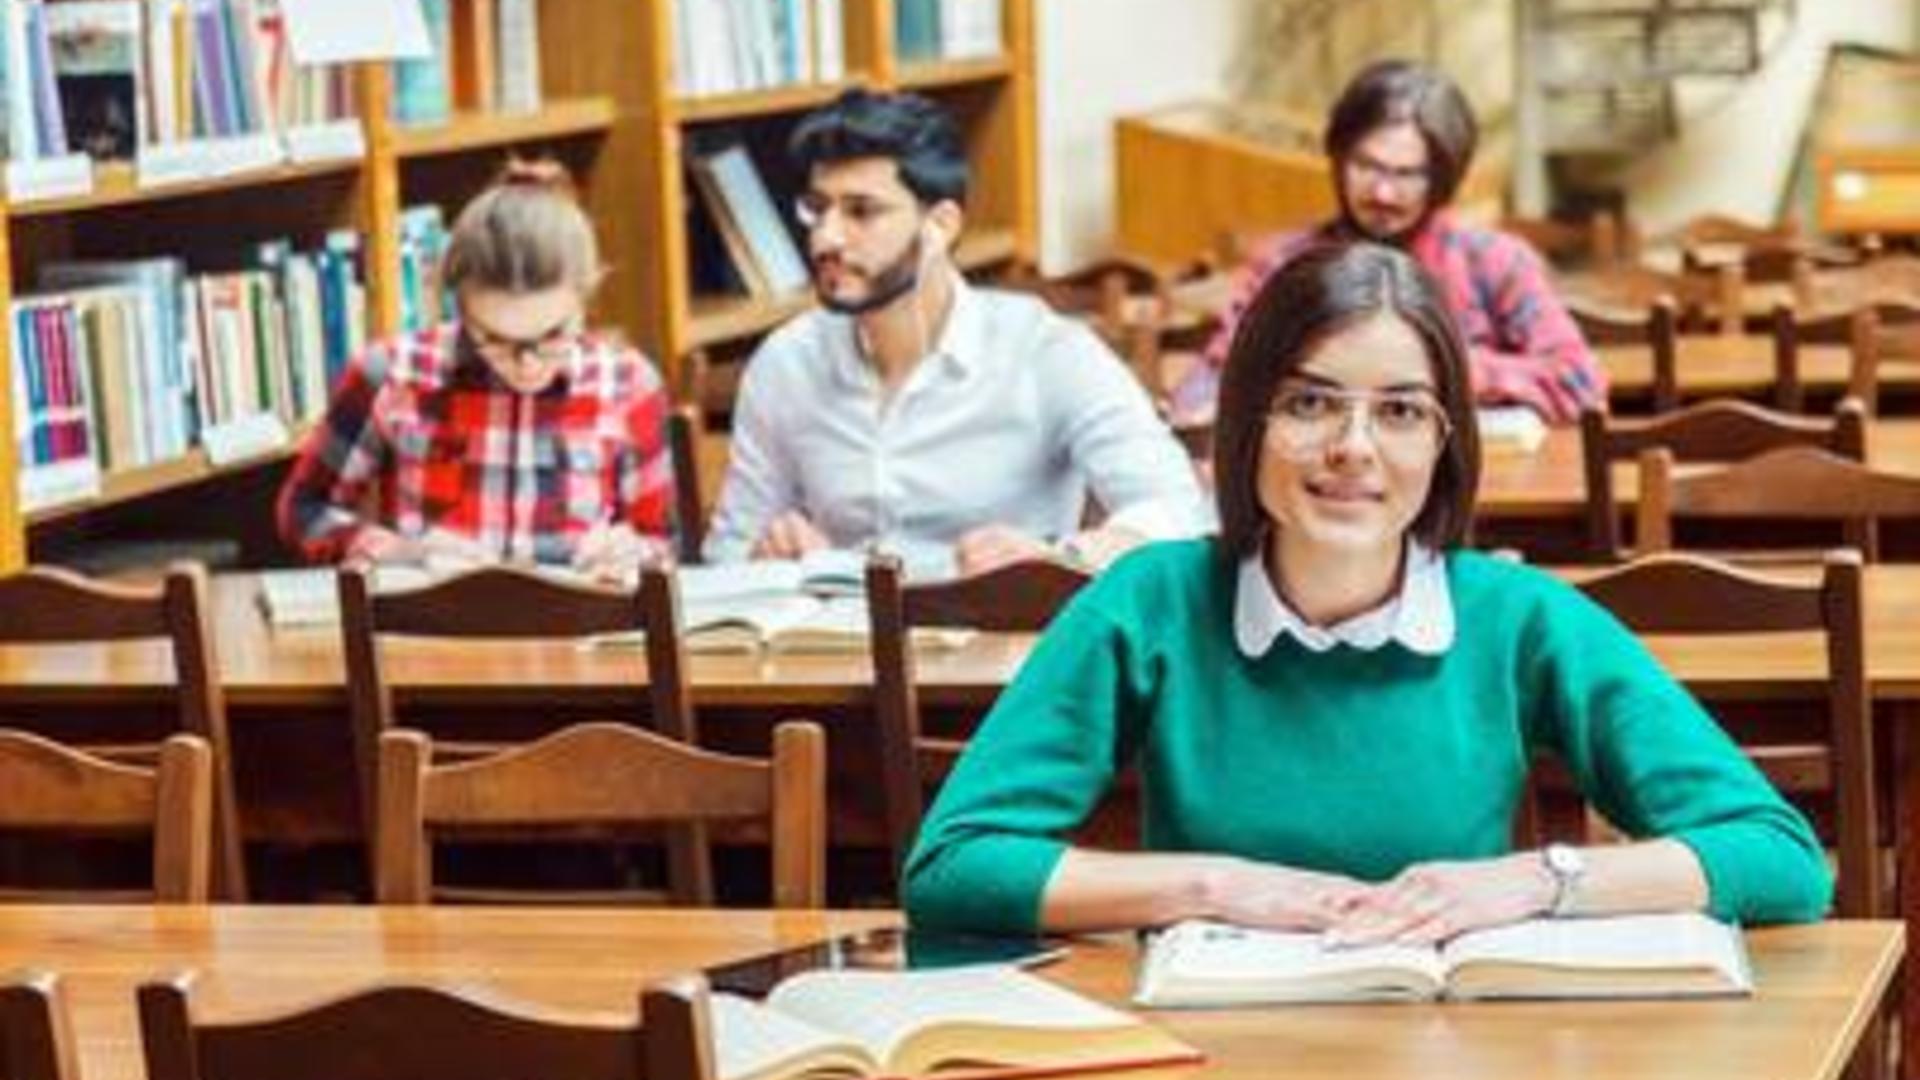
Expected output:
(1349, 761)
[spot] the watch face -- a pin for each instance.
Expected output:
(1564, 860)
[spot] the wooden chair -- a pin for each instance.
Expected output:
(1605, 239)
(685, 432)
(418, 1032)
(1703, 302)
(1712, 431)
(1655, 326)
(47, 606)
(1022, 597)
(1791, 483)
(36, 1030)
(603, 776)
(502, 603)
(53, 787)
(1867, 329)
(1671, 593)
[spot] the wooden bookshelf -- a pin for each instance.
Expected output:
(785, 99)
(117, 185)
(934, 74)
(470, 132)
(614, 115)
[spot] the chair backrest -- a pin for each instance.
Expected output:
(1680, 594)
(1790, 483)
(44, 606)
(53, 787)
(1711, 431)
(1021, 597)
(1654, 325)
(1867, 330)
(507, 602)
(36, 1030)
(603, 776)
(686, 431)
(1702, 301)
(411, 1031)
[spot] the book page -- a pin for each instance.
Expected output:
(882, 1010)
(751, 1040)
(309, 596)
(702, 585)
(1207, 963)
(1663, 946)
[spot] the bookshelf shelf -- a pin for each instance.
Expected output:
(720, 319)
(117, 185)
(983, 247)
(191, 468)
(713, 108)
(486, 131)
(934, 74)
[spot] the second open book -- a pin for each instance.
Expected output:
(1678, 955)
(886, 1023)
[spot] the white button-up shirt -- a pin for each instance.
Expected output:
(1418, 616)
(1012, 418)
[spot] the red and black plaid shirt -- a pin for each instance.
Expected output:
(451, 447)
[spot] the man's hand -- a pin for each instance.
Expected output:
(789, 536)
(616, 553)
(990, 547)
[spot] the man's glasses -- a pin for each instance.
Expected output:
(1403, 424)
(1408, 180)
(858, 211)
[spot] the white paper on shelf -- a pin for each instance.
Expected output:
(169, 163)
(336, 31)
(338, 140)
(242, 154)
(247, 437)
(49, 178)
(45, 486)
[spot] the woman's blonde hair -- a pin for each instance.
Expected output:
(524, 233)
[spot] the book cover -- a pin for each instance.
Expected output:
(763, 229)
(919, 1023)
(96, 68)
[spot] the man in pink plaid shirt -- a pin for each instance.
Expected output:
(1401, 137)
(509, 434)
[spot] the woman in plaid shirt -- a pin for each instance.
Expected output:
(510, 433)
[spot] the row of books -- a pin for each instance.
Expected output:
(424, 299)
(486, 58)
(109, 77)
(947, 29)
(730, 46)
(120, 364)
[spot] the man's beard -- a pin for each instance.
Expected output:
(894, 281)
(1398, 239)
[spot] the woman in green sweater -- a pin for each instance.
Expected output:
(1332, 705)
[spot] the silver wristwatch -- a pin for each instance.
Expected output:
(1567, 866)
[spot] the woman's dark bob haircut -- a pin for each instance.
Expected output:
(1403, 92)
(1319, 293)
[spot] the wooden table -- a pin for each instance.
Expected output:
(1817, 986)
(1549, 482)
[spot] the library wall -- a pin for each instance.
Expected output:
(1102, 60)
(1757, 124)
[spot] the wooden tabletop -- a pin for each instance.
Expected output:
(1711, 364)
(1816, 985)
(1548, 482)
(266, 668)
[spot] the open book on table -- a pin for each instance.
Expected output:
(912, 1023)
(309, 595)
(1199, 963)
(792, 622)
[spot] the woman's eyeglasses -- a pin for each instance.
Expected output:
(1402, 423)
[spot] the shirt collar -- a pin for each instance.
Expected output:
(1419, 616)
(961, 345)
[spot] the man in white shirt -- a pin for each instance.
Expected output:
(913, 412)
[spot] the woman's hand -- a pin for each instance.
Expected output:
(1258, 894)
(616, 553)
(1431, 902)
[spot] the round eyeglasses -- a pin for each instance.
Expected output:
(1402, 424)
